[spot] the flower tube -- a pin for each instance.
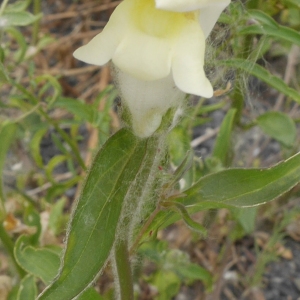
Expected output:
(156, 45)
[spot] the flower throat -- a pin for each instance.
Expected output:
(159, 23)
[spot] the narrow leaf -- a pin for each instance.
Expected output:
(246, 187)
(262, 18)
(185, 216)
(234, 187)
(281, 32)
(181, 170)
(18, 6)
(35, 146)
(223, 142)
(3, 73)
(196, 272)
(82, 111)
(262, 74)
(22, 18)
(94, 222)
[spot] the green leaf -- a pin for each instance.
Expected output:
(181, 170)
(7, 135)
(81, 110)
(35, 146)
(167, 283)
(17, 6)
(3, 73)
(32, 218)
(223, 142)
(49, 84)
(195, 272)
(246, 216)
(52, 164)
(279, 126)
(262, 74)
(27, 289)
(2, 56)
(269, 27)
(89, 294)
(246, 187)
(295, 3)
(41, 262)
(22, 45)
(262, 18)
(185, 216)
(178, 146)
(55, 218)
(234, 187)
(22, 18)
(95, 219)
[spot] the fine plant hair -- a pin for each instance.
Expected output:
(138, 203)
(219, 46)
(141, 198)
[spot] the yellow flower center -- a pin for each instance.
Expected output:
(159, 23)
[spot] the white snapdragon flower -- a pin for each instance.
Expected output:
(157, 47)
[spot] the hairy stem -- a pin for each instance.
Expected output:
(123, 269)
(143, 230)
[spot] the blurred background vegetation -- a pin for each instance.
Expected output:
(55, 112)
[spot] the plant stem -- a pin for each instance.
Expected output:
(2, 7)
(123, 268)
(141, 192)
(36, 25)
(2, 201)
(238, 95)
(238, 101)
(9, 246)
(143, 230)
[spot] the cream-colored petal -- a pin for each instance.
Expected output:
(187, 5)
(209, 15)
(142, 56)
(210, 10)
(180, 5)
(147, 101)
(188, 61)
(102, 47)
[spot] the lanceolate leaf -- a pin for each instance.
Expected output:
(262, 17)
(269, 27)
(264, 75)
(235, 187)
(93, 227)
(21, 18)
(246, 187)
(223, 142)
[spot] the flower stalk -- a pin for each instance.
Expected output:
(123, 280)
